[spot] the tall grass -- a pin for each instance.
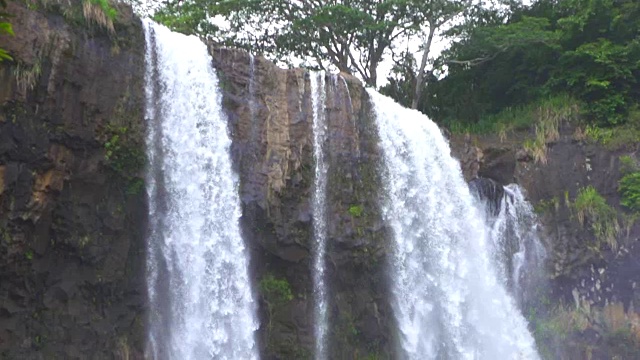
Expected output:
(100, 12)
(591, 207)
(550, 110)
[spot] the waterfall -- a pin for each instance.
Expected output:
(518, 251)
(319, 214)
(201, 304)
(448, 299)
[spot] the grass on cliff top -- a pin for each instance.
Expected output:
(552, 109)
(103, 13)
(626, 136)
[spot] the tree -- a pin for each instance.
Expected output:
(355, 36)
(435, 15)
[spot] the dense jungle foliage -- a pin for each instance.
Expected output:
(504, 58)
(503, 63)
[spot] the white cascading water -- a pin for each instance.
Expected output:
(201, 303)
(517, 249)
(318, 94)
(449, 301)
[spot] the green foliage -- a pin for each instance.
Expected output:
(106, 7)
(628, 164)
(122, 156)
(5, 28)
(135, 186)
(545, 113)
(591, 207)
(125, 158)
(356, 210)
(509, 58)
(100, 12)
(350, 35)
(275, 291)
(546, 206)
(27, 76)
(629, 189)
(625, 136)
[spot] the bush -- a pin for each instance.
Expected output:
(629, 189)
(275, 291)
(628, 164)
(590, 205)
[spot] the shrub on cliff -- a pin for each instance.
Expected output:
(629, 189)
(5, 28)
(591, 207)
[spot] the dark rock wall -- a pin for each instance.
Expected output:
(73, 210)
(273, 151)
(72, 221)
(584, 273)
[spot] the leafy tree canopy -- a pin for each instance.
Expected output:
(353, 35)
(589, 49)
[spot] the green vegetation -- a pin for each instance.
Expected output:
(546, 206)
(275, 293)
(5, 28)
(629, 189)
(628, 164)
(625, 136)
(125, 158)
(27, 76)
(351, 35)
(547, 112)
(506, 59)
(559, 323)
(566, 325)
(591, 207)
(100, 12)
(508, 67)
(356, 210)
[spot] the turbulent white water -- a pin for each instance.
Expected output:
(201, 304)
(319, 214)
(449, 300)
(517, 250)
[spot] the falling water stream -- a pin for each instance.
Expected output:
(450, 272)
(517, 249)
(448, 297)
(201, 303)
(318, 94)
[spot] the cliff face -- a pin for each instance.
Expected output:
(71, 218)
(271, 117)
(597, 279)
(73, 211)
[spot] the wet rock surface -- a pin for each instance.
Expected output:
(271, 119)
(73, 210)
(584, 273)
(71, 235)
